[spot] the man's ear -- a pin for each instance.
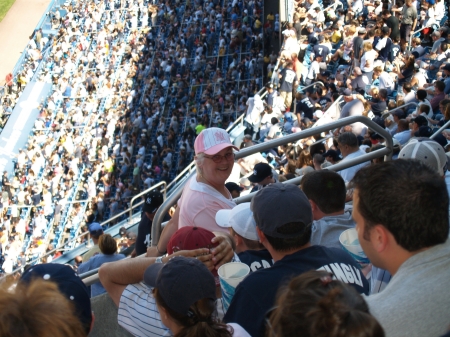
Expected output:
(380, 238)
(262, 237)
(313, 205)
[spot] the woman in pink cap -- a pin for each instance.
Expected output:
(205, 193)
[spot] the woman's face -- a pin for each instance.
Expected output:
(217, 173)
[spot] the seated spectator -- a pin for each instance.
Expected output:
(283, 219)
(409, 240)
(317, 305)
(262, 176)
(327, 193)
(70, 286)
(186, 304)
(348, 145)
(242, 226)
(37, 309)
(403, 133)
(122, 279)
(234, 189)
(108, 249)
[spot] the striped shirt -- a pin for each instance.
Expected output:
(138, 312)
(139, 315)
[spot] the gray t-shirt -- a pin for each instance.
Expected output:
(326, 231)
(409, 15)
(416, 302)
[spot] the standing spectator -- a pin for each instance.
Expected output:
(9, 83)
(288, 83)
(408, 23)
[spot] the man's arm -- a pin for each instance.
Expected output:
(115, 276)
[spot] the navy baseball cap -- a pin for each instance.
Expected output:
(278, 204)
(331, 153)
(69, 284)
(181, 282)
(95, 229)
(233, 187)
(424, 131)
(260, 172)
(420, 120)
(153, 200)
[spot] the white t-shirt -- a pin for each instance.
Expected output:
(368, 57)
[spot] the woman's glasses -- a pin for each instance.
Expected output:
(218, 158)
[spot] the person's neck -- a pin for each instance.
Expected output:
(219, 188)
(277, 256)
(319, 214)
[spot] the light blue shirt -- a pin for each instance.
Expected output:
(403, 137)
(95, 262)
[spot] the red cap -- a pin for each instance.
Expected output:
(190, 238)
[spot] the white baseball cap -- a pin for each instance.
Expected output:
(240, 218)
(427, 151)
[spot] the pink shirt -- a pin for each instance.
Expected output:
(199, 204)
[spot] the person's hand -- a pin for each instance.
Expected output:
(223, 253)
(202, 254)
(152, 252)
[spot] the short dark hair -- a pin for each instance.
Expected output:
(421, 94)
(326, 189)
(408, 198)
(348, 138)
(383, 93)
(274, 120)
(440, 85)
(407, 87)
(283, 244)
(424, 108)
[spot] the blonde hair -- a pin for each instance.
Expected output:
(37, 309)
(367, 46)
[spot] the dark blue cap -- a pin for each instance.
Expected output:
(69, 284)
(181, 282)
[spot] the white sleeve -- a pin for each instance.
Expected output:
(380, 44)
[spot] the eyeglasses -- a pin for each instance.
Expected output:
(218, 158)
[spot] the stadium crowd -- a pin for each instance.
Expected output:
(301, 276)
(132, 86)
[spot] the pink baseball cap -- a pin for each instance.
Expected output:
(213, 140)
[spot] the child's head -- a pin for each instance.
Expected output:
(374, 92)
(424, 108)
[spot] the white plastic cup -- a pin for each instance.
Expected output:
(350, 243)
(230, 275)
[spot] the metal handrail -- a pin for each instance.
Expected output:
(312, 84)
(419, 30)
(336, 167)
(145, 192)
(157, 220)
(402, 106)
(442, 128)
(180, 175)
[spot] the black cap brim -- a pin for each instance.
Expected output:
(254, 179)
(151, 274)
